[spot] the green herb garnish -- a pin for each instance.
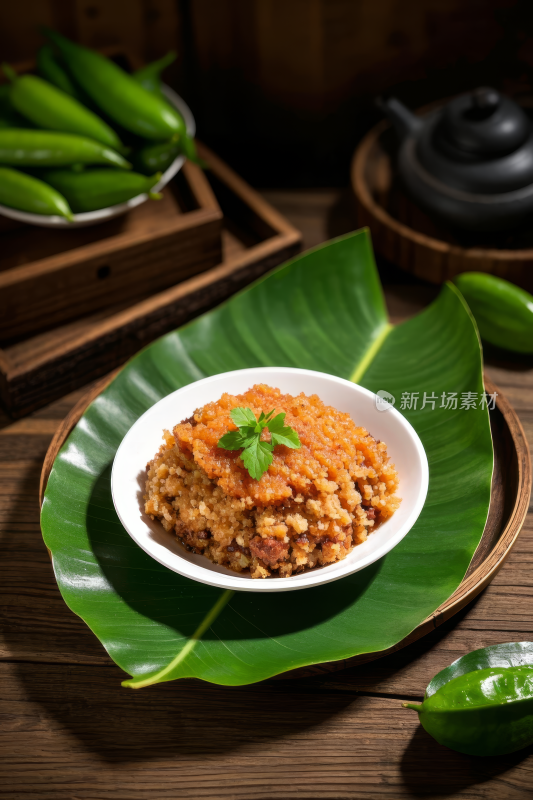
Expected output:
(257, 455)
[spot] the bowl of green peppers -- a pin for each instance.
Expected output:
(84, 141)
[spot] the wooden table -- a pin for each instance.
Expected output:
(69, 731)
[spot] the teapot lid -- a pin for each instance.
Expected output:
(480, 143)
(482, 124)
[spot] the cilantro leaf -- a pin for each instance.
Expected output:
(264, 418)
(231, 441)
(287, 437)
(243, 416)
(234, 440)
(257, 458)
(248, 434)
(283, 434)
(257, 455)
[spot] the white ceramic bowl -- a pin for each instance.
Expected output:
(144, 438)
(104, 214)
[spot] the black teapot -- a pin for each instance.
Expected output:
(470, 162)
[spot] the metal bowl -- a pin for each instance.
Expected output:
(104, 214)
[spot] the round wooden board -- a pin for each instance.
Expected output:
(511, 488)
(409, 238)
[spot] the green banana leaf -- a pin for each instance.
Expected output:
(325, 311)
(508, 654)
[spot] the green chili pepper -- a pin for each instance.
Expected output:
(18, 190)
(150, 76)
(50, 68)
(121, 97)
(503, 311)
(188, 145)
(156, 157)
(49, 149)
(161, 155)
(99, 188)
(487, 712)
(507, 654)
(49, 107)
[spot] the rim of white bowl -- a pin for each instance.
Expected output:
(316, 577)
(103, 214)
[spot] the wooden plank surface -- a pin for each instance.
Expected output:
(68, 730)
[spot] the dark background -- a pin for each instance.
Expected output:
(284, 89)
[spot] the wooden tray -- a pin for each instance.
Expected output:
(407, 237)
(511, 489)
(49, 277)
(255, 238)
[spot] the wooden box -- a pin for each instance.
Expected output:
(36, 368)
(50, 276)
